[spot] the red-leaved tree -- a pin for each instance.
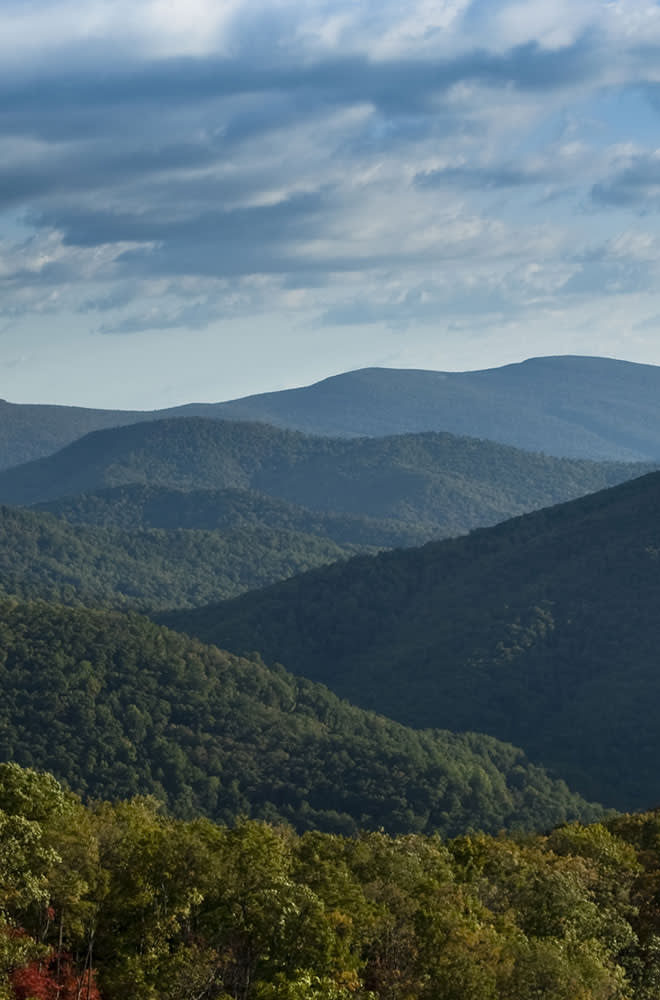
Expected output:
(38, 981)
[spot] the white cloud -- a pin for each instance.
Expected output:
(439, 164)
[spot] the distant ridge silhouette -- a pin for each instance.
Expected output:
(568, 406)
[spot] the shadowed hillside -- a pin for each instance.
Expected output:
(432, 484)
(42, 557)
(229, 510)
(543, 631)
(118, 706)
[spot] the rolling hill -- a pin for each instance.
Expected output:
(431, 484)
(43, 557)
(229, 510)
(31, 430)
(543, 631)
(596, 408)
(116, 706)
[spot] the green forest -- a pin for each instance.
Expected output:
(106, 901)
(433, 484)
(137, 505)
(44, 557)
(542, 631)
(117, 706)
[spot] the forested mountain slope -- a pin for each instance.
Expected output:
(43, 557)
(29, 431)
(439, 483)
(543, 631)
(569, 406)
(229, 510)
(117, 706)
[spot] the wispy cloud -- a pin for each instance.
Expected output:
(360, 164)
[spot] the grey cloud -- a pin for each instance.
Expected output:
(120, 295)
(609, 277)
(196, 316)
(637, 184)
(137, 164)
(483, 178)
(82, 170)
(16, 362)
(421, 305)
(150, 180)
(397, 85)
(258, 225)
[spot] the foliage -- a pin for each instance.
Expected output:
(118, 706)
(439, 483)
(229, 510)
(176, 910)
(542, 631)
(42, 557)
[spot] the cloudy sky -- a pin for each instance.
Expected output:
(200, 199)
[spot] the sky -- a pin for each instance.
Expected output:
(201, 199)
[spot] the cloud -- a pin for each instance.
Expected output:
(502, 175)
(197, 316)
(381, 160)
(635, 185)
(424, 304)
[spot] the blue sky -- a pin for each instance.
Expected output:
(201, 199)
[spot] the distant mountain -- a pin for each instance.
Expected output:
(30, 431)
(596, 408)
(44, 557)
(567, 406)
(543, 631)
(116, 706)
(430, 484)
(138, 506)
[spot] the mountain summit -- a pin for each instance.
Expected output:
(567, 406)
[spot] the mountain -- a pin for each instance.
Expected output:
(543, 631)
(117, 706)
(597, 408)
(229, 510)
(43, 557)
(431, 484)
(30, 431)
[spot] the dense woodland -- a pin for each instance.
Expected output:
(118, 706)
(109, 901)
(434, 484)
(542, 631)
(43, 557)
(139, 506)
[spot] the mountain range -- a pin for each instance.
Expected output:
(517, 663)
(537, 630)
(542, 631)
(597, 408)
(422, 485)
